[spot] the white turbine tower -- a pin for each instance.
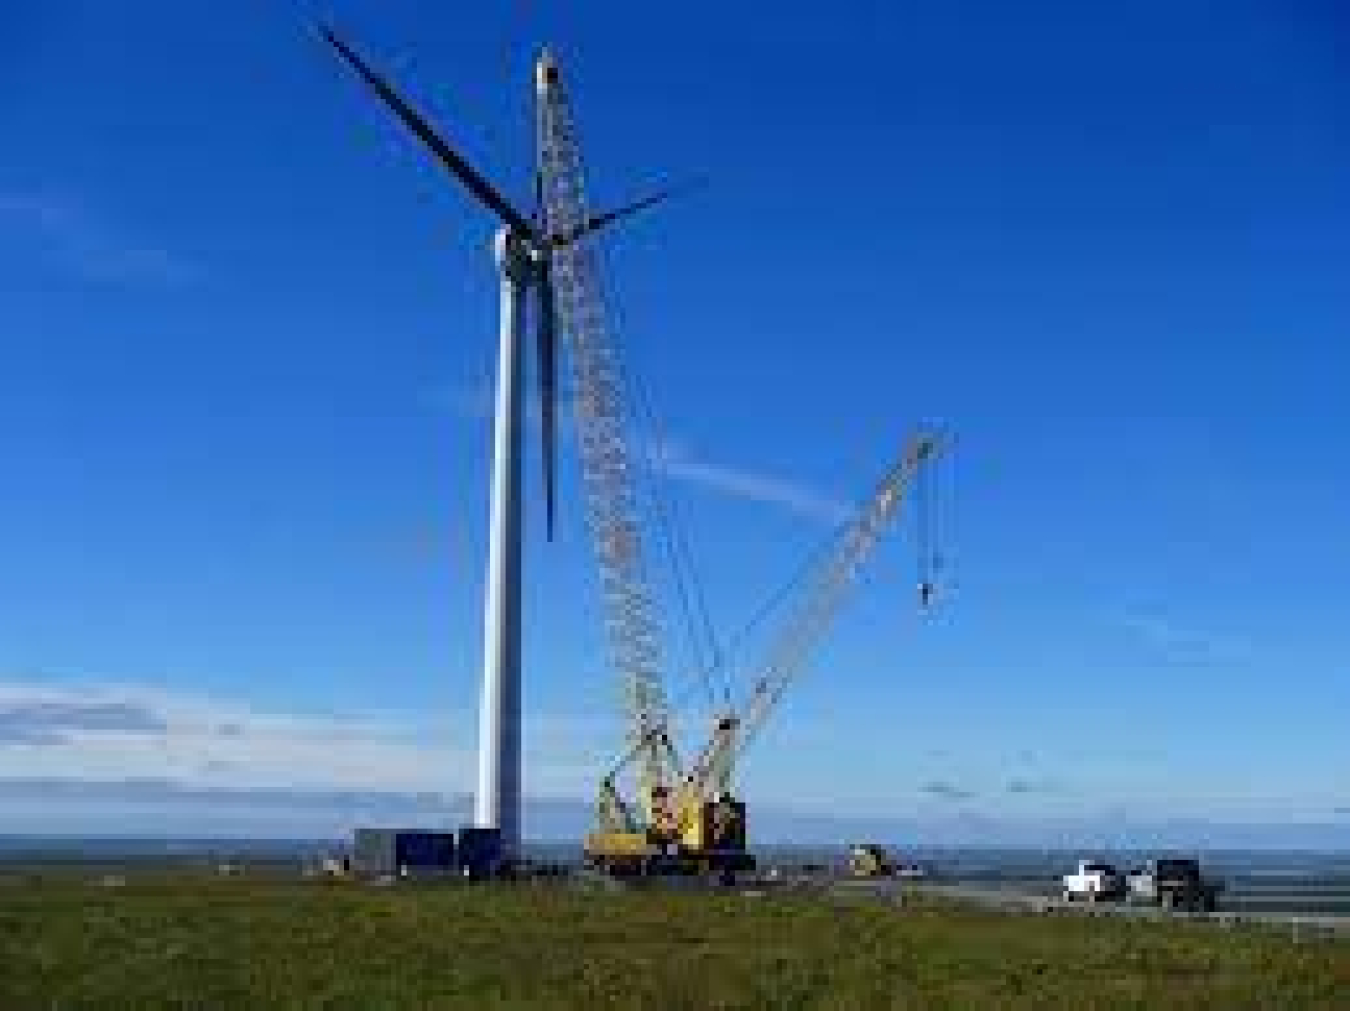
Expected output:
(524, 254)
(497, 802)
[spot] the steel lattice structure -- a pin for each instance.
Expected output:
(608, 461)
(812, 616)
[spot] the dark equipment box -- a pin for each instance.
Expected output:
(383, 852)
(480, 852)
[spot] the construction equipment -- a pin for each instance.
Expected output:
(704, 825)
(608, 464)
(869, 860)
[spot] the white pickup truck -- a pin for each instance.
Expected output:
(1094, 881)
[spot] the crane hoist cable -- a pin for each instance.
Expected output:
(699, 630)
(684, 573)
(929, 513)
(649, 486)
(771, 605)
(787, 658)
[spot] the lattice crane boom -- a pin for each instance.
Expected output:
(608, 462)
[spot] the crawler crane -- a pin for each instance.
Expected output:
(682, 819)
(704, 824)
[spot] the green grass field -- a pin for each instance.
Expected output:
(247, 944)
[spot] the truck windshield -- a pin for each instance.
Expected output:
(1178, 868)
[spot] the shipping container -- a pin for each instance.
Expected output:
(383, 852)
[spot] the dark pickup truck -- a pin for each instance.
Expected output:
(1173, 883)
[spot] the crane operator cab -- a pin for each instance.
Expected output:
(726, 823)
(715, 836)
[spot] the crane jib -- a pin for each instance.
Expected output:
(807, 625)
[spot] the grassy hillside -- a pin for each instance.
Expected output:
(235, 943)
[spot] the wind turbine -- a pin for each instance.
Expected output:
(523, 255)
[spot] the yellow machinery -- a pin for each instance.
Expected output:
(695, 824)
(868, 860)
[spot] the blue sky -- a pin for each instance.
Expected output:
(247, 332)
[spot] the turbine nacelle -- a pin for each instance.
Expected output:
(516, 256)
(546, 73)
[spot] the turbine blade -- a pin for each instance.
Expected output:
(599, 221)
(456, 165)
(548, 387)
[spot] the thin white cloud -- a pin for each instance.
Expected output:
(88, 756)
(1025, 787)
(737, 482)
(1179, 643)
(946, 791)
(46, 721)
(128, 759)
(111, 732)
(676, 461)
(85, 243)
(168, 791)
(210, 742)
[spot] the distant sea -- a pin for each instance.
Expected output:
(1293, 881)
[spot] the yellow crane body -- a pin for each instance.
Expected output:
(699, 826)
